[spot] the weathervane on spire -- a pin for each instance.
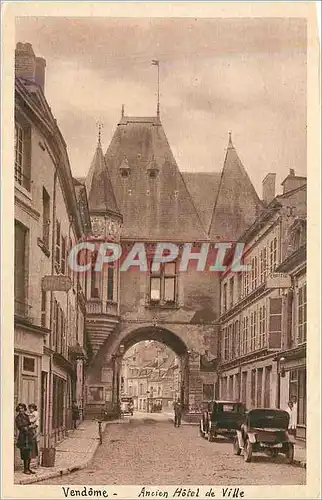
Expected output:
(99, 126)
(230, 142)
(154, 62)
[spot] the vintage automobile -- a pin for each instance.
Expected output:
(221, 418)
(264, 430)
(127, 406)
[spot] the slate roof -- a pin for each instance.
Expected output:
(101, 198)
(203, 187)
(237, 204)
(153, 209)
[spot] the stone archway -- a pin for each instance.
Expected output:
(163, 336)
(192, 343)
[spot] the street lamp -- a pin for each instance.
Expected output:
(117, 373)
(281, 366)
(280, 374)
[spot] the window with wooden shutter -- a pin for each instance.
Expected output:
(21, 270)
(43, 308)
(253, 387)
(237, 340)
(23, 155)
(244, 345)
(230, 340)
(226, 343)
(263, 265)
(273, 255)
(262, 327)
(301, 315)
(253, 325)
(45, 217)
(225, 297)
(275, 323)
(54, 326)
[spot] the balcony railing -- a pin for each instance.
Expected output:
(99, 307)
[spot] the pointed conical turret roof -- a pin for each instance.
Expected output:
(237, 204)
(152, 196)
(101, 198)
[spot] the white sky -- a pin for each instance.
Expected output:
(243, 75)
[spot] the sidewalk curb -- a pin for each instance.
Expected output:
(65, 470)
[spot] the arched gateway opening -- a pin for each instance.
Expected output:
(103, 379)
(164, 337)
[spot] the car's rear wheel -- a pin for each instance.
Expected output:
(290, 453)
(237, 449)
(248, 451)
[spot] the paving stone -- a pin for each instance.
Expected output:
(138, 452)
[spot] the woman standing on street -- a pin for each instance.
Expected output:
(25, 437)
(75, 414)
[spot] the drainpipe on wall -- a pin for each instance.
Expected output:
(278, 392)
(290, 300)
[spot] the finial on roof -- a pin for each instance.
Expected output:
(99, 126)
(156, 63)
(230, 142)
(122, 111)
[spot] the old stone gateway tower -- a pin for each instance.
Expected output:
(137, 194)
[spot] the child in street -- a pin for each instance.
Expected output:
(34, 425)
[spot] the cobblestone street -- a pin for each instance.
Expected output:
(149, 450)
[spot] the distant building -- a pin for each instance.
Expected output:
(150, 374)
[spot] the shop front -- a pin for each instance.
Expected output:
(293, 382)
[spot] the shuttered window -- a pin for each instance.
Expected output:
(301, 315)
(21, 271)
(275, 323)
(22, 155)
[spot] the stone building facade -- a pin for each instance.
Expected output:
(51, 214)
(263, 310)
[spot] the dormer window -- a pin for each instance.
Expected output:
(125, 169)
(153, 169)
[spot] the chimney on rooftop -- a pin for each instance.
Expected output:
(28, 66)
(269, 188)
(292, 181)
(40, 72)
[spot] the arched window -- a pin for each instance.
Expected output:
(95, 278)
(110, 281)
